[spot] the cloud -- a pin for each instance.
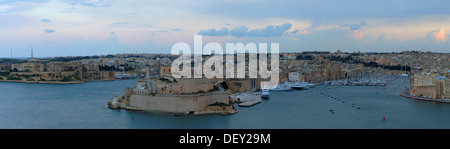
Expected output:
(436, 35)
(295, 31)
(439, 35)
(353, 27)
(91, 3)
(116, 24)
(48, 31)
(214, 32)
(243, 31)
(239, 31)
(227, 24)
(167, 31)
(270, 31)
(113, 38)
(177, 30)
(358, 34)
(45, 20)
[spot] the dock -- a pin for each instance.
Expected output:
(249, 103)
(252, 99)
(404, 93)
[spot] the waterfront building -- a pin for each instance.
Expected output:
(293, 77)
(28, 67)
(446, 89)
(430, 85)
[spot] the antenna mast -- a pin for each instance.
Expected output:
(31, 51)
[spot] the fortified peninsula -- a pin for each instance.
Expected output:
(165, 94)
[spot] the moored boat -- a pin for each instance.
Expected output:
(265, 94)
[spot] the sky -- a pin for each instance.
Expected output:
(96, 27)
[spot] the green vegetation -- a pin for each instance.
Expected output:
(349, 59)
(5, 73)
(77, 78)
(214, 89)
(29, 76)
(13, 78)
(67, 79)
(304, 57)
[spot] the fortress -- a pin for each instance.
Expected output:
(165, 94)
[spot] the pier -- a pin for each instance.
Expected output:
(404, 93)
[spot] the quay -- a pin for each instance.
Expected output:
(251, 99)
(404, 93)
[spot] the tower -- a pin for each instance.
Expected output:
(31, 51)
(147, 74)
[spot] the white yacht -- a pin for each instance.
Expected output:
(265, 94)
(294, 85)
(281, 87)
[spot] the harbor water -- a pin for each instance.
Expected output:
(74, 106)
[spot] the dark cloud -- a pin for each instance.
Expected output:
(214, 32)
(45, 20)
(239, 31)
(270, 31)
(353, 27)
(48, 31)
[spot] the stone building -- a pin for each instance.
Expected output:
(430, 85)
(28, 67)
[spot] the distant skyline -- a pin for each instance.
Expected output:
(99, 27)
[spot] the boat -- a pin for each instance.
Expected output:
(294, 85)
(265, 94)
(307, 84)
(282, 87)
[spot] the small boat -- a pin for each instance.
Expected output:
(265, 94)
(358, 107)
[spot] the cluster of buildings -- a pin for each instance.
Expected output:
(309, 66)
(434, 85)
(81, 69)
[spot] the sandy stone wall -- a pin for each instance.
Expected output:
(176, 104)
